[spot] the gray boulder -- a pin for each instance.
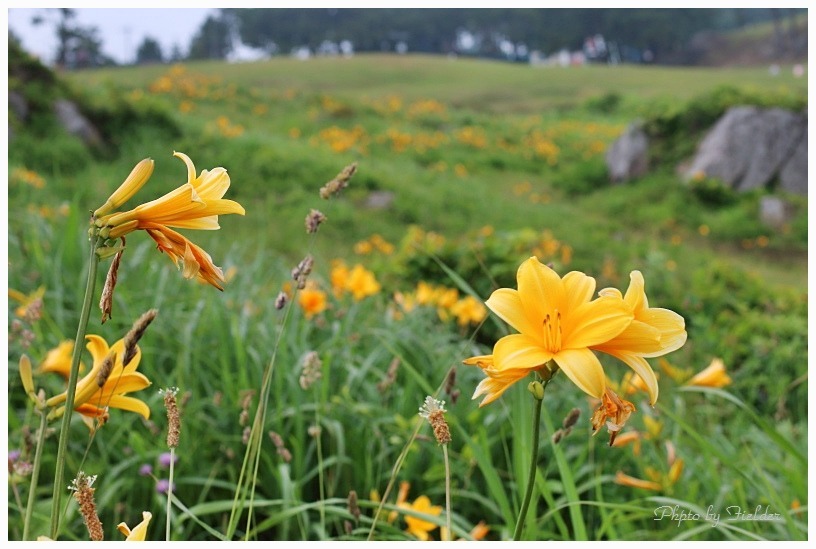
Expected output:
(793, 177)
(75, 123)
(628, 157)
(774, 212)
(749, 147)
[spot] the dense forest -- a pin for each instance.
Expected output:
(668, 34)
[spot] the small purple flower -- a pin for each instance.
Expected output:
(165, 459)
(146, 470)
(162, 485)
(14, 455)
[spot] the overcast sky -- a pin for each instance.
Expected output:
(121, 29)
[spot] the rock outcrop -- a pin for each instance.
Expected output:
(750, 147)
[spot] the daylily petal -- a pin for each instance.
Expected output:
(213, 184)
(191, 171)
(626, 480)
(579, 288)
(482, 361)
(584, 369)
(541, 290)
(595, 322)
(672, 328)
(642, 369)
(121, 385)
(129, 404)
(519, 351)
(638, 337)
(139, 532)
(494, 387)
(508, 306)
(635, 296)
(98, 347)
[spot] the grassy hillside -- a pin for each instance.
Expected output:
(464, 170)
(465, 83)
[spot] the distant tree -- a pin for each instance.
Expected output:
(213, 40)
(77, 46)
(149, 52)
(176, 54)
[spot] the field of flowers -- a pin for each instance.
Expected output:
(361, 246)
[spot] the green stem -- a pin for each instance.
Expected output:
(59, 475)
(525, 504)
(321, 480)
(35, 474)
(170, 493)
(447, 492)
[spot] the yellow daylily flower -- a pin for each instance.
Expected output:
(418, 527)
(25, 300)
(557, 321)
(58, 360)
(194, 205)
(712, 376)
(653, 332)
(426, 294)
(468, 310)
(361, 282)
(93, 401)
(139, 532)
(339, 277)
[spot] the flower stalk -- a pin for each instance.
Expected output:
(35, 474)
(537, 390)
(59, 475)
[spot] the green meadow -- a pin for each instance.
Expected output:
(464, 169)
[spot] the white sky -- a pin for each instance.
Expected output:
(121, 29)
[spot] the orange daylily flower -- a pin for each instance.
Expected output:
(312, 300)
(195, 262)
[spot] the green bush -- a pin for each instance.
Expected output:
(711, 191)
